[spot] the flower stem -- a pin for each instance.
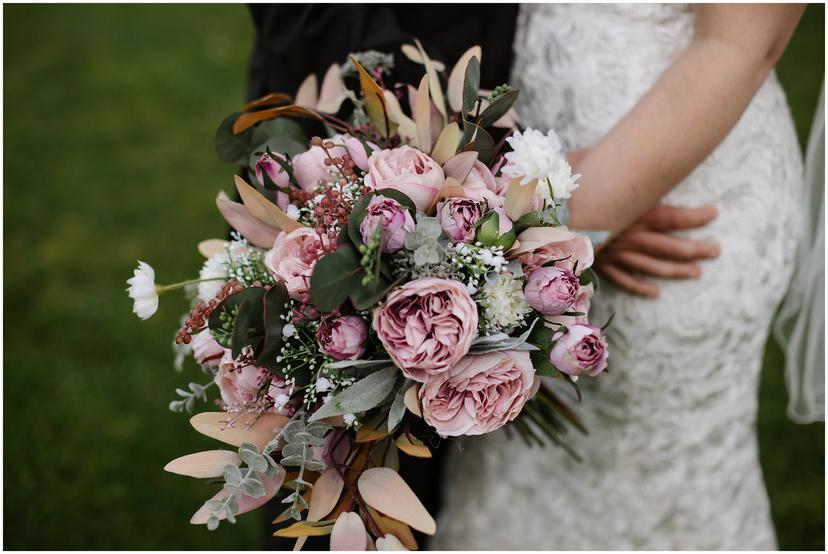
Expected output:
(160, 289)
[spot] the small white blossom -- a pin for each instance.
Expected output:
(323, 384)
(142, 291)
(292, 212)
(349, 419)
(214, 268)
(504, 305)
(538, 156)
(289, 330)
(281, 401)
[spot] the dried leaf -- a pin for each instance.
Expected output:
(250, 227)
(433, 82)
(374, 101)
(458, 74)
(305, 529)
(460, 165)
(447, 142)
(413, 54)
(272, 484)
(407, 128)
(210, 247)
(384, 490)
(325, 494)
(519, 198)
(452, 189)
(332, 93)
(235, 429)
(306, 94)
(389, 543)
(349, 533)
(422, 116)
(264, 209)
(203, 465)
(395, 528)
(247, 120)
(412, 400)
(535, 237)
(267, 100)
(370, 435)
(413, 446)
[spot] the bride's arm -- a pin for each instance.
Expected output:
(684, 116)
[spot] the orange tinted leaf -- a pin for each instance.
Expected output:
(374, 101)
(203, 464)
(267, 100)
(384, 490)
(305, 529)
(263, 209)
(235, 429)
(413, 446)
(326, 493)
(247, 120)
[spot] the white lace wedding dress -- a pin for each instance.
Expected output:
(671, 460)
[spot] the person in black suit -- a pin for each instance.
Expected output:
(293, 40)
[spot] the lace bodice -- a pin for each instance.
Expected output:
(671, 460)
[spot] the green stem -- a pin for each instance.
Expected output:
(160, 289)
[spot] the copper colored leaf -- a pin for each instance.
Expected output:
(349, 533)
(452, 189)
(247, 120)
(272, 484)
(460, 165)
(305, 529)
(457, 76)
(203, 464)
(384, 490)
(395, 528)
(325, 494)
(369, 435)
(271, 99)
(519, 198)
(422, 116)
(447, 142)
(210, 247)
(235, 429)
(412, 401)
(374, 101)
(413, 446)
(239, 217)
(265, 210)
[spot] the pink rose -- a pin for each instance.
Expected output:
(342, 338)
(579, 349)
(239, 384)
(355, 149)
(581, 304)
(274, 171)
(480, 394)
(551, 290)
(392, 218)
(481, 185)
(292, 258)
(457, 217)
(206, 350)
(309, 168)
(407, 170)
(426, 326)
(578, 248)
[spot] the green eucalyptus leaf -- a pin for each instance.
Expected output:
(588, 276)
(471, 84)
(369, 392)
(498, 108)
(229, 147)
(335, 277)
(483, 142)
(275, 301)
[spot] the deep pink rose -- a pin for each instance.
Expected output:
(292, 258)
(239, 384)
(206, 350)
(551, 290)
(480, 394)
(578, 248)
(481, 185)
(274, 171)
(457, 217)
(581, 304)
(426, 326)
(342, 338)
(407, 170)
(581, 349)
(392, 218)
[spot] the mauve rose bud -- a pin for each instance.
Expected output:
(496, 229)
(392, 218)
(279, 177)
(342, 338)
(551, 290)
(581, 349)
(457, 217)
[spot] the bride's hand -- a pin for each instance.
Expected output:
(648, 249)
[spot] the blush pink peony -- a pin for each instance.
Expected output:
(581, 304)
(426, 326)
(580, 349)
(342, 338)
(457, 217)
(551, 290)
(239, 384)
(292, 258)
(481, 185)
(392, 218)
(206, 350)
(409, 171)
(578, 248)
(480, 394)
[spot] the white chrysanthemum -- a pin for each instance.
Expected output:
(142, 291)
(538, 156)
(504, 305)
(214, 268)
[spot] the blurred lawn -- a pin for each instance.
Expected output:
(110, 112)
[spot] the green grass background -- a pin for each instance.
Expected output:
(110, 112)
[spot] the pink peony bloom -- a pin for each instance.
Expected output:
(407, 170)
(457, 217)
(551, 290)
(426, 326)
(292, 258)
(581, 304)
(206, 350)
(581, 349)
(279, 393)
(482, 185)
(578, 248)
(480, 394)
(392, 218)
(342, 338)
(239, 384)
(274, 171)
(309, 168)
(355, 149)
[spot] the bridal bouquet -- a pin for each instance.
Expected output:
(403, 267)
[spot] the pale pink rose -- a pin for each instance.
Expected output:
(426, 326)
(578, 248)
(579, 349)
(274, 171)
(581, 304)
(481, 185)
(279, 393)
(292, 258)
(551, 290)
(480, 394)
(392, 218)
(457, 217)
(206, 350)
(407, 170)
(342, 338)
(239, 384)
(309, 167)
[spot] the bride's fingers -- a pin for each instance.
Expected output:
(628, 281)
(673, 218)
(666, 246)
(655, 267)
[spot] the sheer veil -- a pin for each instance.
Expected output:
(800, 325)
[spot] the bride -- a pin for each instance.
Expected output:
(661, 102)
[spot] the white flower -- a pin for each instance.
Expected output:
(323, 384)
(349, 419)
(142, 291)
(214, 268)
(288, 330)
(292, 212)
(538, 156)
(504, 305)
(281, 401)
